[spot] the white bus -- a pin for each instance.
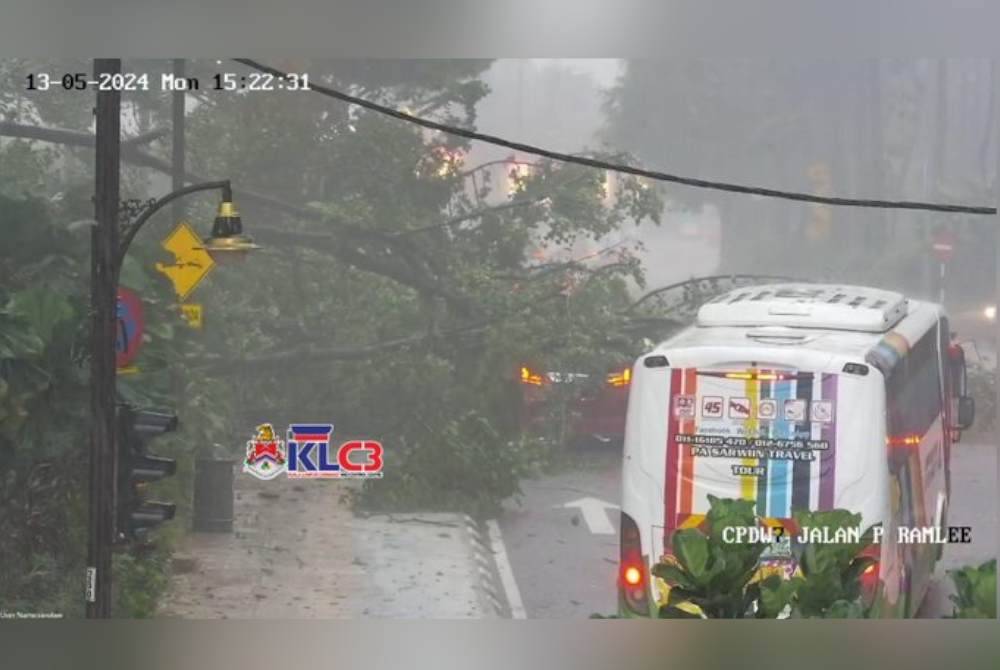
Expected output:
(795, 396)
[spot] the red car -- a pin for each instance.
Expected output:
(595, 409)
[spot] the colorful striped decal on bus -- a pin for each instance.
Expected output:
(786, 484)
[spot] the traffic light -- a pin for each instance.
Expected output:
(136, 516)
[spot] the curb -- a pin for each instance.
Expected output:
(488, 579)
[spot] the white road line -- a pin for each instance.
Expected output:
(506, 572)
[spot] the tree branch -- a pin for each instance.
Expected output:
(131, 154)
(482, 166)
(468, 216)
(145, 138)
(358, 353)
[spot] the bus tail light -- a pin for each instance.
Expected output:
(870, 575)
(632, 578)
(903, 441)
(753, 375)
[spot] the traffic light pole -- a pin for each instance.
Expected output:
(103, 275)
(178, 149)
(109, 243)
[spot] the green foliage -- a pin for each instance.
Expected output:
(141, 579)
(982, 384)
(830, 584)
(975, 594)
(712, 574)
(465, 466)
(720, 578)
(403, 247)
(43, 409)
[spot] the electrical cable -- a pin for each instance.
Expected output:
(625, 169)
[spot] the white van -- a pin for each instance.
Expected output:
(795, 396)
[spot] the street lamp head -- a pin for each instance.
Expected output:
(228, 243)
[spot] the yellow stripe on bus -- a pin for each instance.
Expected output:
(748, 483)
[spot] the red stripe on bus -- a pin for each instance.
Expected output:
(670, 480)
(687, 458)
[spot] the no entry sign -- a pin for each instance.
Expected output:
(128, 327)
(943, 244)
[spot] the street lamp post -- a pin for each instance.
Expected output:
(109, 244)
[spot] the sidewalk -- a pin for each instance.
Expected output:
(298, 552)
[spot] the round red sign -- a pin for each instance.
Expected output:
(128, 327)
(943, 244)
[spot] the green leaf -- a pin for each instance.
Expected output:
(17, 340)
(42, 309)
(691, 549)
(673, 575)
(775, 594)
(843, 609)
(975, 591)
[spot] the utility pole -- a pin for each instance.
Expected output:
(177, 173)
(939, 160)
(996, 274)
(177, 151)
(103, 305)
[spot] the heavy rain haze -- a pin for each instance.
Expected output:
(473, 311)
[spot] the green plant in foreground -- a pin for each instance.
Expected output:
(141, 578)
(712, 574)
(830, 584)
(975, 594)
(720, 578)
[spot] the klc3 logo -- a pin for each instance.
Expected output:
(309, 454)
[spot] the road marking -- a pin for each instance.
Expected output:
(506, 572)
(595, 514)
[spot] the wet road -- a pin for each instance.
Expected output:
(564, 559)
(563, 570)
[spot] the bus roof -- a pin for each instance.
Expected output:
(803, 315)
(825, 306)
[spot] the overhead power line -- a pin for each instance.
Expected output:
(625, 169)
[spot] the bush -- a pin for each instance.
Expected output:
(140, 580)
(983, 388)
(713, 575)
(975, 591)
(710, 578)
(830, 584)
(467, 466)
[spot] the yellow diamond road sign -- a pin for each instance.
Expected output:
(191, 262)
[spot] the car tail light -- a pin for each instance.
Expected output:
(632, 576)
(620, 378)
(530, 377)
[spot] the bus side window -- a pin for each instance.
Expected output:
(914, 390)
